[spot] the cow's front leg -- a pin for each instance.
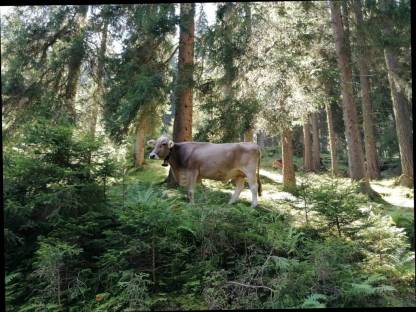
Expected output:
(191, 194)
(192, 176)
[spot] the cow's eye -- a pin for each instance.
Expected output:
(164, 143)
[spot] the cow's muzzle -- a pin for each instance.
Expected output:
(153, 155)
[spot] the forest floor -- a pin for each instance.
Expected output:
(399, 200)
(224, 223)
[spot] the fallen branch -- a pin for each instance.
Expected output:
(252, 286)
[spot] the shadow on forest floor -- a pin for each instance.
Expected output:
(396, 197)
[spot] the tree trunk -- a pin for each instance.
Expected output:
(248, 135)
(99, 90)
(182, 126)
(58, 280)
(307, 143)
(74, 63)
(352, 134)
(316, 155)
(403, 123)
(332, 142)
(289, 179)
(141, 130)
(372, 167)
(139, 145)
(400, 108)
(261, 138)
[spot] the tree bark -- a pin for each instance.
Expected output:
(403, 123)
(354, 145)
(316, 155)
(248, 135)
(141, 128)
(99, 90)
(400, 108)
(74, 63)
(372, 167)
(182, 126)
(307, 143)
(289, 179)
(332, 142)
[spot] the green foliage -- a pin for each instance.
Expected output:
(159, 252)
(358, 294)
(225, 96)
(314, 301)
(388, 251)
(37, 44)
(81, 237)
(229, 118)
(139, 77)
(339, 205)
(49, 173)
(49, 263)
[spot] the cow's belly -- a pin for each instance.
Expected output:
(220, 175)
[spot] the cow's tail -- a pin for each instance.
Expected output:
(258, 175)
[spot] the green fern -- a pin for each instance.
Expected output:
(383, 289)
(362, 289)
(315, 301)
(10, 277)
(280, 263)
(375, 278)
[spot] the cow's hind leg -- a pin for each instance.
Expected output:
(203, 187)
(239, 182)
(252, 183)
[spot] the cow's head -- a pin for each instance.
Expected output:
(161, 147)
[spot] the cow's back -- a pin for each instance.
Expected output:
(216, 161)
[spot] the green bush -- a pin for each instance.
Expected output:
(154, 250)
(339, 205)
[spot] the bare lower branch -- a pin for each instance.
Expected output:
(170, 57)
(252, 286)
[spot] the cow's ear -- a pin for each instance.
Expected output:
(151, 142)
(171, 144)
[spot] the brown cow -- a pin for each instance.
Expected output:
(277, 164)
(193, 161)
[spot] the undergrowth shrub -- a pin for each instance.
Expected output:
(156, 251)
(339, 205)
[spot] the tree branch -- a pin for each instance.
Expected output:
(252, 286)
(170, 57)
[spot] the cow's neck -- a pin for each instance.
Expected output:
(166, 160)
(172, 158)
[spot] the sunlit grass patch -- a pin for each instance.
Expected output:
(277, 230)
(152, 171)
(273, 197)
(394, 194)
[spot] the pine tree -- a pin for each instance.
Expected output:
(77, 52)
(307, 143)
(402, 113)
(371, 161)
(316, 155)
(355, 154)
(182, 126)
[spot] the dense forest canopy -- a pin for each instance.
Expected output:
(322, 87)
